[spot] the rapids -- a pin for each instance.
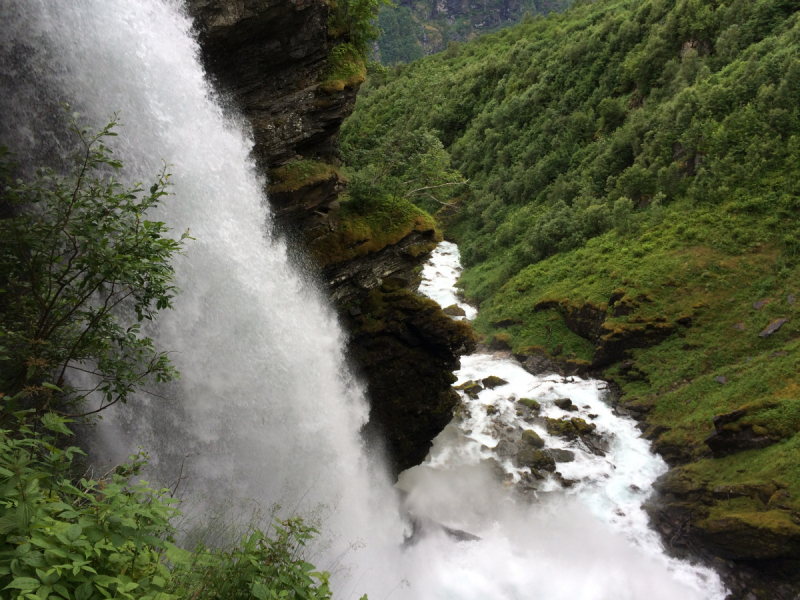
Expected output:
(266, 412)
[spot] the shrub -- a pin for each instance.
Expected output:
(77, 248)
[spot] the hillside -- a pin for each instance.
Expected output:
(633, 203)
(413, 28)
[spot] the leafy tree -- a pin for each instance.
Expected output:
(76, 252)
(406, 166)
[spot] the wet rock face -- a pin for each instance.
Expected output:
(269, 59)
(757, 544)
(270, 56)
(350, 281)
(405, 349)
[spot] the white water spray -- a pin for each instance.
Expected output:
(266, 409)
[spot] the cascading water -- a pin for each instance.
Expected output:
(266, 410)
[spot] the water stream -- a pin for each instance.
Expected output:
(580, 532)
(266, 412)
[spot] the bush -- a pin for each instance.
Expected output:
(77, 249)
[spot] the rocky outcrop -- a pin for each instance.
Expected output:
(730, 436)
(350, 281)
(745, 530)
(271, 59)
(405, 349)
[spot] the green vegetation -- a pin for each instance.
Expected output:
(299, 174)
(352, 24)
(421, 27)
(74, 249)
(634, 197)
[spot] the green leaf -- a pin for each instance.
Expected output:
(24, 583)
(53, 387)
(74, 532)
(261, 591)
(84, 591)
(55, 423)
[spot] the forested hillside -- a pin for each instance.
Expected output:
(632, 211)
(413, 28)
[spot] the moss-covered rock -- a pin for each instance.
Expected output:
(493, 381)
(530, 403)
(530, 437)
(570, 428)
(533, 458)
(406, 349)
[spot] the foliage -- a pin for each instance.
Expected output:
(113, 537)
(76, 251)
(638, 160)
(355, 21)
(74, 248)
(406, 166)
(611, 99)
(421, 27)
(82, 540)
(397, 42)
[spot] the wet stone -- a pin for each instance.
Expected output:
(506, 448)
(454, 310)
(721, 379)
(760, 304)
(530, 437)
(565, 404)
(493, 381)
(535, 459)
(560, 455)
(530, 403)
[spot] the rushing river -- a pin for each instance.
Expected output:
(579, 532)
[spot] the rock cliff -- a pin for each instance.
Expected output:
(271, 59)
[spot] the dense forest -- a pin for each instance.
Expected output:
(631, 210)
(413, 28)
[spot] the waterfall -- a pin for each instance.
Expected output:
(266, 410)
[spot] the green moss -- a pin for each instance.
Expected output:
(346, 69)
(357, 234)
(299, 174)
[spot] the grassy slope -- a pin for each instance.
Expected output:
(688, 108)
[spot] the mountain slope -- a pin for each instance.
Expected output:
(633, 212)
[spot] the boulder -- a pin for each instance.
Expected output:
(560, 455)
(530, 437)
(530, 403)
(570, 428)
(730, 436)
(454, 310)
(493, 381)
(772, 327)
(470, 388)
(506, 448)
(565, 404)
(530, 457)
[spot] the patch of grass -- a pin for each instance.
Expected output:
(346, 69)
(299, 174)
(358, 234)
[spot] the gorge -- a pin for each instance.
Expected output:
(295, 327)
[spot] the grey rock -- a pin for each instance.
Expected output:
(772, 327)
(506, 448)
(560, 455)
